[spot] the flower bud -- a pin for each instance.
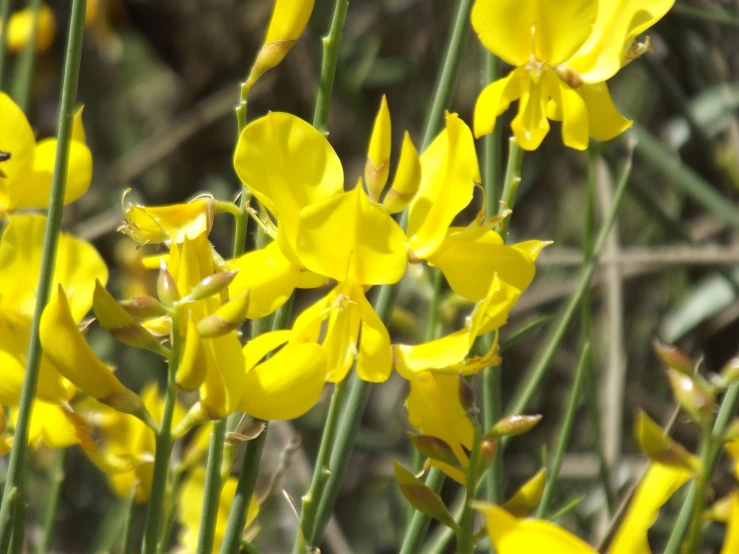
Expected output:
(213, 284)
(119, 323)
(167, 287)
(434, 448)
(673, 357)
(143, 307)
(421, 497)
(658, 446)
(527, 498)
(229, 317)
(514, 425)
(127, 402)
(467, 397)
(407, 178)
(488, 450)
(377, 168)
(692, 394)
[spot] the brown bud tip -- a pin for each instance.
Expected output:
(214, 326)
(143, 307)
(167, 287)
(692, 394)
(673, 357)
(434, 448)
(467, 397)
(488, 449)
(514, 425)
(213, 284)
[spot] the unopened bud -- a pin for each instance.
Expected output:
(730, 372)
(514, 425)
(119, 323)
(673, 357)
(423, 498)
(227, 318)
(166, 287)
(193, 366)
(488, 450)
(692, 394)
(127, 402)
(434, 448)
(213, 284)
(143, 307)
(377, 168)
(657, 446)
(467, 397)
(407, 178)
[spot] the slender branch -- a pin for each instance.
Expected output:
(128, 525)
(17, 460)
(54, 485)
(331, 44)
(23, 70)
(212, 489)
(465, 538)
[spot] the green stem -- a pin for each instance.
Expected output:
(321, 473)
(18, 540)
(212, 489)
(465, 538)
(331, 44)
(54, 485)
(163, 445)
(17, 460)
(5, 6)
(165, 531)
(511, 181)
(491, 158)
(419, 524)
(128, 526)
(709, 458)
(564, 435)
(21, 83)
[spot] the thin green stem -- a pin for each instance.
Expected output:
(709, 458)
(54, 481)
(163, 445)
(331, 44)
(212, 489)
(416, 531)
(16, 464)
(465, 538)
(128, 525)
(23, 71)
(18, 540)
(321, 472)
(566, 432)
(491, 144)
(5, 6)
(447, 78)
(165, 531)
(511, 181)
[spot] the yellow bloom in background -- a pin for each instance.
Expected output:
(25, 175)
(20, 26)
(562, 53)
(78, 266)
(51, 425)
(511, 535)
(189, 510)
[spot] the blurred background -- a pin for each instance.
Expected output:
(159, 82)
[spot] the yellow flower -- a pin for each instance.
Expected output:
(562, 53)
(19, 29)
(512, 535)
(377, 168)
(25, 173)
(190, 504)
(78, 266)
(51, 425)
(153, 225)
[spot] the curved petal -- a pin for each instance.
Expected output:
(348, 238)
(221, 392)
(531, 125)
(287, 385)
(575, 126)
(342, 331)
(18, 142)
(527, 498)
(496, 98)
(505, 27)
(374, 362)
(289, 18)
(257, 349)
(731, 541)
(156, 224)
(377, 168)
(407, 178)
(449, 173)
(616, 27)
(605, 121)
(50, 426)
(287, 164)
(562, 27)
(510, 535)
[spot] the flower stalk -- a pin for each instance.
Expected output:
(212, 489)
(54, 488)
(17, 460)
(465, 537)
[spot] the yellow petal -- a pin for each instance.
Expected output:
(20, 28)
(505, 28)
(18, 141)
(79, 176)
(221, 392)
(342, 332)
(49, 426)
(495, 99)
(731, 541)
(287, 385)
(575, 127)
(156, 224)
(287, 164)
(65, 346)
(561, 28)
(374, 362)
(469, 266)
(257, 349)
(407, 178)
(449, 173)
(659, 483)
(605, 120)
(289, 18)
(377, 168)
(527, 498)
(269, 275)
(193, 367)
(434, 409)
(78, 128)
(433, 355)
(531, 125)
(78, 266)
(617, 25)
(510, 535)
(347, 238)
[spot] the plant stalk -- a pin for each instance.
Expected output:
(54, 488)
(5, 6)
(23, 70)
(16, 464)
(212, 489)
(465, 539)
(331, 43)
